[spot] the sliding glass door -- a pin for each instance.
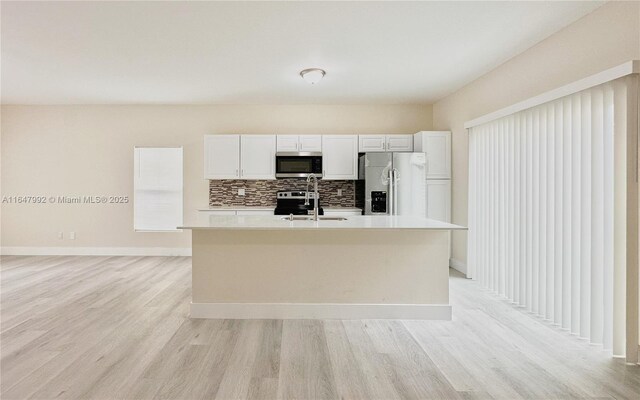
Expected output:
(544, 213)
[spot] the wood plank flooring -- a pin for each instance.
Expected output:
(118, 328)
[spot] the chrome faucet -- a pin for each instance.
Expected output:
(316, 196)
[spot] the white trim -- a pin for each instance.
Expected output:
(96, 251)
(458, 265)
(320, 311)
(628, 68)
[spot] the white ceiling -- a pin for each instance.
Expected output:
(251, 52)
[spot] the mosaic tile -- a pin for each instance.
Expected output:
(262, 193)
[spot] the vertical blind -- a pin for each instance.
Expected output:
(157, 188)
(541, 210)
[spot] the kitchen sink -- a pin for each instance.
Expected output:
(309, 218)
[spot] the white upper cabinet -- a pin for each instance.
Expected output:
(437, 146)
(222, 156)
(257, 157)
(340, 157)
(382, 143)
(371, 143)
(438, 193)
(287, 142)
(399, 143)
(311, 143)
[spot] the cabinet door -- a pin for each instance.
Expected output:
(218, 212)
(287, 143)
(310, 143)
(371, 143)
(437, 146)
(258, 157)
(400, 143)
(340, 157)
(339, 213)
(439, 199)
(222, 156)
(254, 212)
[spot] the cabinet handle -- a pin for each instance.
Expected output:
(237, 173)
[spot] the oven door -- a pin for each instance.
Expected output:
(298, 165)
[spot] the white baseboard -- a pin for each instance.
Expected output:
(96, 251)
(458, 265)
(320, 311)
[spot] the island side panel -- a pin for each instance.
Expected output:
(385, 267)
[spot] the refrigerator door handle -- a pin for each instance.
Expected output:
(391, 191)
(395, 191)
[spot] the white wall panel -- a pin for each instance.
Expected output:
(158, 188)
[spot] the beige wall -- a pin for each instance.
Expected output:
(605, 38)
(88, 150)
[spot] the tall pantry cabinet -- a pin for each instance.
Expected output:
(437, 147)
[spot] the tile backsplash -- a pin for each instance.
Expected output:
(262, 193)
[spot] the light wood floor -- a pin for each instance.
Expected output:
(118, 327)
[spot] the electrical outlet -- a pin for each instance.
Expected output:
(339, 192)
(60, 235)
(241, 192)
(72, 235)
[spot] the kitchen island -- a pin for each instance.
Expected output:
(355, 268)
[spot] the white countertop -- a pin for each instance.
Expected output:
(236, 208)
(275, 222)
(249, 208)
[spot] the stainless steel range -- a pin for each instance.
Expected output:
(293, 202)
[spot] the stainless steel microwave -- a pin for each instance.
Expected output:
(298, 164)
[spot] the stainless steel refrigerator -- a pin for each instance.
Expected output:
(394, 183)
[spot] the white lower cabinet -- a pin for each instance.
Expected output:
(341, 213)
(330, 212)
(238, 212)
(218, 212)
(340, 157)
(439, 199)
(254, 212)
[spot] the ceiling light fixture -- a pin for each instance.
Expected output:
(312, 75)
